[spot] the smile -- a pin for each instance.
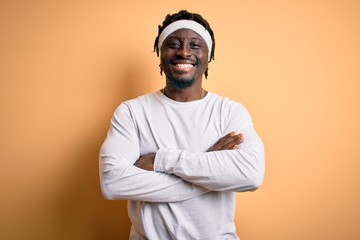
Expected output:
(184, 65)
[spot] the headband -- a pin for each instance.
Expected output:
(188, 24)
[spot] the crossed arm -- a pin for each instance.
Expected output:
(230, 141)
(173, 175)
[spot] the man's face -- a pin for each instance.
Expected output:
(184, 58)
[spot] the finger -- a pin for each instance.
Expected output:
(220, 142)
(227, 142)
(232, 143)
(228, 146)
(224, 137)
(241, 138)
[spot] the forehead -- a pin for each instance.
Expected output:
(185, 33)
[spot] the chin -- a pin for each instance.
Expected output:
(181, 83)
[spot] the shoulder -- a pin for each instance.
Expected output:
(143, 99)
(140, 102)
(226, 103)
(231, 111)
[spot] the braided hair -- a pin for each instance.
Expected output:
(185, 15)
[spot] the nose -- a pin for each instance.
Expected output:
(184, 51)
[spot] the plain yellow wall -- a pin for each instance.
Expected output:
(66, 65)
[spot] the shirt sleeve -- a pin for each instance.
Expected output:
(120, 179)
(229, 170)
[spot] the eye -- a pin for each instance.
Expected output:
(173, 44)
(195, 45)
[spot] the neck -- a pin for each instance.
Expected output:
(184, 95)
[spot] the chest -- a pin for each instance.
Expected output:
(193, 129)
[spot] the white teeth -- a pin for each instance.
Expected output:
(183, 65)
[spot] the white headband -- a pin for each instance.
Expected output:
(188, 24)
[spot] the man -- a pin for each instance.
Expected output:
(179, 154)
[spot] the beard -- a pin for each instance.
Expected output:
(180, 83)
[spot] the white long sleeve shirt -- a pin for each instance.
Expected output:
(190, 193)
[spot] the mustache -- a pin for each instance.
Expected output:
(195, 61)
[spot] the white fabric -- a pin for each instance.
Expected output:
(188, 24)
(190, 195)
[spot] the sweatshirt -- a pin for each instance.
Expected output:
(191, 192)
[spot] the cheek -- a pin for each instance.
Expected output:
(164, 58)
(203, 61)
(203, 57)
(162, 61)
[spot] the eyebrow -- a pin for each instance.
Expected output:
(193, 38)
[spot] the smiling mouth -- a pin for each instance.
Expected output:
(184, 65)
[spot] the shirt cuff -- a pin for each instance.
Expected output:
(165, 159)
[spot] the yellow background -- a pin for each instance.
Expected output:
(66, 65)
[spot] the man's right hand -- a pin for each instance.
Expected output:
(230, 141)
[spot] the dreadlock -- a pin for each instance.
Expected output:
(185, 15)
